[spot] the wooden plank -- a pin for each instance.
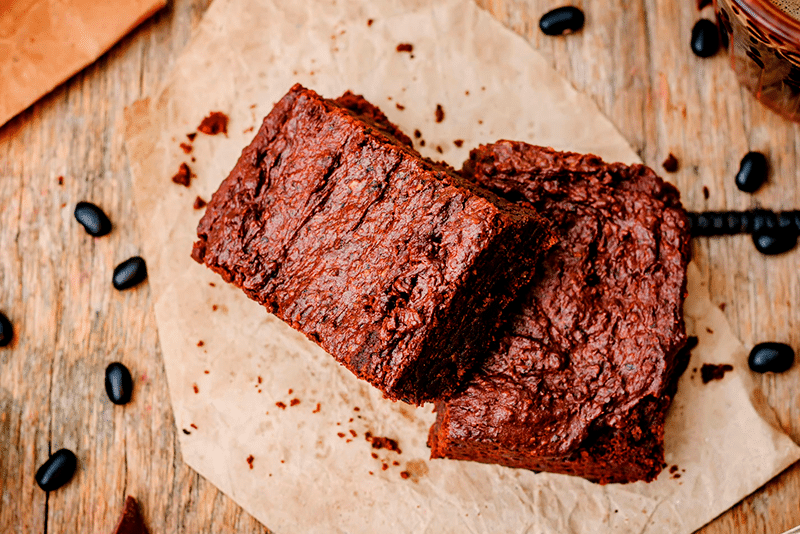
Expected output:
(632, 58)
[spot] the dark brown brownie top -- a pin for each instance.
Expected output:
(599, 331)
(333, 222)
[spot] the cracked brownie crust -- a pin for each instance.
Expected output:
(395, 265)
(586, 367)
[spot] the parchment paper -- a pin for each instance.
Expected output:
(309, 472)
(44, 42)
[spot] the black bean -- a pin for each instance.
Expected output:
(562, 20)
(705, 38)
(752, 172)
(129, 273)
(93, 219)
(771, 357)
(775, 241)
(57, 470)
(119, 384)
(6, 330)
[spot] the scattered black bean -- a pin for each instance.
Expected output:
(752, 172)
(6, 330)
(129, 273)
(771, 357)
(93, 219)
(705, 38)
(562, 20)
(119, 384)
(775, 241)
(57, 470)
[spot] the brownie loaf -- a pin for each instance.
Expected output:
(395, 265)
(586, 368)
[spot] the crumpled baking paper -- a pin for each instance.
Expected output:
(276, 423)
(44, 42)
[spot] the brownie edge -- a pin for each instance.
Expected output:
(397, 266)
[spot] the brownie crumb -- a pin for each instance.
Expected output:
(394, 462)
(191, 136)
(186, 147)
(709, 330)
(404, 474)
(709, 371)
(294, 402)
(193, 426)
(671, 163)
(350, 420)
(400, 107)
(673, 468)
(290, 391)
(214, 307)
(705, 192)
(250, 461)
(186, 432)
(417, 134)
(356, 409)
(369, 22)
(280, 405)
(316, 410)
(384, 466)
(374, 455)
(439, 113)
(353, 433)
(458, 142)
(200, 343)
(405, 47)
(60, 180)
(199, 203)
(195, 388)
(371, 473)
(439, 149)
(385, 443)
(259, 379)
(340, 434)
(207, 371)
(183, 176)
(422, 142)
(722, 306)
(215, 123)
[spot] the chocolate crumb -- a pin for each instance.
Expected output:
(193, 159)
(248, 130)
(439, 149)
(374, 455)
(405, 47)
(191, 136)
(186, 147)
(676, 475)
(215, 123)
(705, 192)
(212, 284)
(193, 426)
(356, 409)
(199, 203)
(195, 388)
(60, 180)
(369, 22)
(207, 371)
(400, 107)
(385, 443)
(371, 473)
(200, 343)
(671, 163)
(186, 432)
(353, 433)
(183, 176)
(673, 468)
(250, 461)
(214, 307)
(710, 371)
(290, 391)
(709, 330)
(350, 420)
(294, 402)
(384, 466)
(348, 440)
(280, 405)
(439, 113)
(722, 306)
(404, 474)
(259, 379)
(417, 134)
(340, 434)
(422, 142)
(458, 142)
(394, 462)
(316, 410)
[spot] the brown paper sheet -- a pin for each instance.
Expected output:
(309, 472)
(44, 42)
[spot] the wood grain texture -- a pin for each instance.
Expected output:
(632, 57)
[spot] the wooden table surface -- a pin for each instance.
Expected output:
(632, 57)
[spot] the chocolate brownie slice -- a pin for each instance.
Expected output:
(587, 366)
(397, 266)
